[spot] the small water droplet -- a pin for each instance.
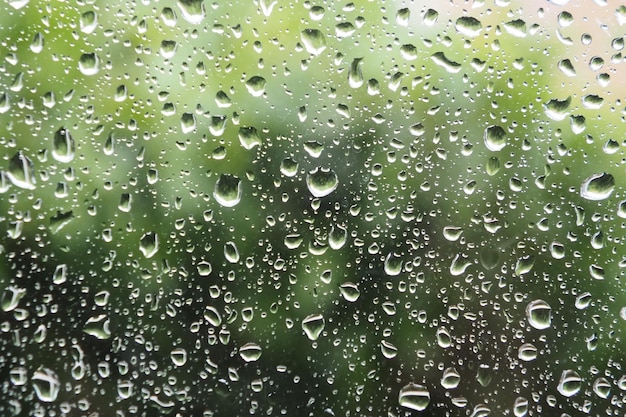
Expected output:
(598, 187)
(228, 190)
(539, 314)
(60, 274)
(414, 397)
(313, 325)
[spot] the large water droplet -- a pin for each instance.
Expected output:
(231, 253)
(228, 190)
(313, 41)
(89, 64)
(539, 314)
(459, 265)
(168, 48)
(149, 244)
(349, 291)
(256, 86)
(193, 10)
(450, 379)
(63, 146)
(60, 274)
(22, 171)
(98, 327)
(212, 316)
(249, 137)
(444, 339)
(337, 237)
(468, 26)
(178, 356)
(414, 396)
(598, 187)
(520, 407)
(557, 109)
(442, 60)
(495, 138)
(11, 298)
(46, 384)
(88, 22)
(388, 350)
(250, 352)
(527, 352)
(393, 264)
(322, 181)
(602, 387)
(313, 325)
(570, 383)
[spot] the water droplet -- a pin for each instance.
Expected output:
(88, 22)
(493, 166)
(583, 300)
(22, 171)
(344, 29)
(231, 253)
(442, 60)
(313, 325)
(321, 182)
(101, 298)
(60, 274)
(222, 100)
(204, 268)
(414, 396)
(402, 16)
(317, 13)
(126, 202)
(5, 103)
(355, 75)
(250, 352)
(430, 17)
(249, 137)
(527, 352)
(228, 190)
(337, 237)
(598, 187)
(388, 350)
(459, 265)
(256, 86)
(516, 28)
(444, 339)
(288, 167)
(393, 264)
(36, 45)
(187, 122)
(89, 64)
(178, 356)
(11, 298)
(98, 327)
(168, 48)
(592, 101)
(602, 387)
(46, 384)
(557, 109)
(124, 389)
(524, 265)
(495, 138)
(450, 379)
(452, 233)
(539, 314)
(520, 407)
(570, 383)
(212, 316)
(468, 26)
(349, 291)
(192, 10)
(149, 244)
(313, 41)
(408, 52)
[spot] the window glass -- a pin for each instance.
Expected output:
(320, 208)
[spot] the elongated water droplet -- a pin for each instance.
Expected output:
(228, 190)
(570, 383)
(355, 75)
(414, 397)
(212, 316)
(149, 244)
(22, 171)
(452, 233)
(337, 237)
(231, 253)
(524, 265)
(36, 46)
(402, 16)
(557, 109)
(516, 28)
(321, 182)
(313, 325)
(459, 265)
(393, 264)
(11, 298)
(444, 339)
(64, 148)
(192, 10)
(388, 350)
(444, 62)
(430, 17)
(527, 352)
(539, 314)
(187, 122)
(598, 187)
(60, 274)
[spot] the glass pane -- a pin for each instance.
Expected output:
(312, 208)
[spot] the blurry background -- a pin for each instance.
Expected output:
(335, 208)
